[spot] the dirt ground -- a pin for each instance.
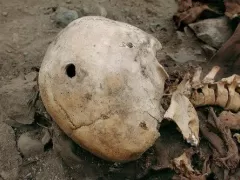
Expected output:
(26, 29)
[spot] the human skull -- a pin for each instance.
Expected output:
(101, 83)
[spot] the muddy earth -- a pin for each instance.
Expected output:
(31, 145)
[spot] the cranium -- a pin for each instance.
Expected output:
(102, 84)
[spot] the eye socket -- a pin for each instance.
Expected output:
(71, 70)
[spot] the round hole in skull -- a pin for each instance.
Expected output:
(70, 70)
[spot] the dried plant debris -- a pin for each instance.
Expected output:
(232, 8)
(183, 165)
(225, 150)
(183, 162)
(231, 160)
(189, 16)
(190, 11)
(224, 158)
(184, 5)
(230, 120)
(216, 142)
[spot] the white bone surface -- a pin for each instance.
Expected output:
(111, 106)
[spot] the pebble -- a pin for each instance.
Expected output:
(188, 49)
(29, 146)
(155, 26)
(95, 9)
(16, 96)
(5, 14)
(183, 55)
(208, 50)
(46, 137)
(189, 32)
(180, 36)
(213, 32)
(65, 16)
(10, 160)
(32, 76)
(68, 1)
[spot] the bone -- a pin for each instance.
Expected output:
(229, 80)
(221, 95)
(209, 78)
(197, 98)
(233, 98)
(209, 95)
(182, 112)
(196, 80)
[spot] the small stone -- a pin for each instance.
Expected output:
(189, 32)
(213, 32)
(155, 26)
(96, 9)
(68, 1)
(208, 50)
(65, 16)
(180, 36)
(46, 137)
(5, 14)
(102, 11)
(10, 160)
(32, 76)
(29, 146)
(185, 55)
(16, 96)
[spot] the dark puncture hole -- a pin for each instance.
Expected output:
(130, 45)
(70, 70)
(199, 90)
(48, 146)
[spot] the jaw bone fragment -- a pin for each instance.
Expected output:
(182, 112)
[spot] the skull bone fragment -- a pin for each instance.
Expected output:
(102, 84)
